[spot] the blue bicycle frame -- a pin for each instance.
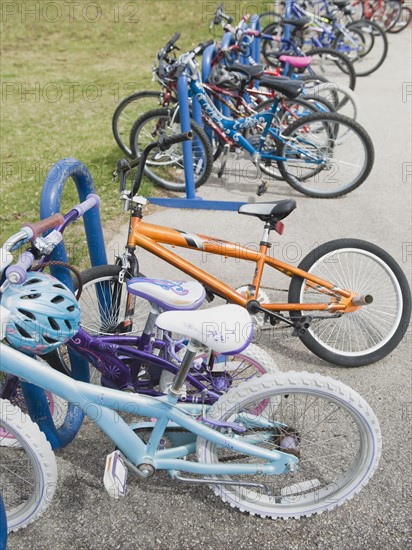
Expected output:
(3, 526)
(232, 128)
(101, 405)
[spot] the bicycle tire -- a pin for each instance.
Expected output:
(370, 333)
(328, 475)
(59, 408)
(270, 49)
(25, 500)
(123, 120)
(342, 99)
(392, 13)
(170, 173)
(281, 121)
(375, 31)
(335, 140)
(403, 21)
(333, 65)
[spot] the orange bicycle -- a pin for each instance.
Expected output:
(348, 300)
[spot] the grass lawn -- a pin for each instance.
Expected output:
(64, 68)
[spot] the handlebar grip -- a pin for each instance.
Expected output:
(17, 273)
(91, 201)
(200, 48)
(167, 141)
(48, 223)
(172, 41)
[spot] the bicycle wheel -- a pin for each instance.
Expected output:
(28, 471)
(128, 111)
(403, 21)
(366, 46)
(10, 389)
(333, 65)
(289, 111)
(328, 155)
(342, 99)
(103, 303)
(391, 14)
(271, 49)
(167, 169)
(371, 332)
(328, 426)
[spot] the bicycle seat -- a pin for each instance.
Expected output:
(168, 295)
(295, 61)
(298, 23)
(288, 87)
(225, 329)
(252, 71)
(269, 211)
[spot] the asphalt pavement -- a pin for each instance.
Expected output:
(161, 514)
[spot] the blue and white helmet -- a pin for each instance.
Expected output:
(43, 314)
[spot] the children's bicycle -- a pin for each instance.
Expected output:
(348, 300)
(276, 446)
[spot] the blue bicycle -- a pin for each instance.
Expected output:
(276, 446)
(321, 155)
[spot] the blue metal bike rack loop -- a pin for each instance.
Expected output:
(35, 397)
(191, 200)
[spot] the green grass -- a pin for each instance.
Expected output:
(62, 120)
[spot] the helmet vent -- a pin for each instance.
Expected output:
(32, 281)
(53, 323)
(57, 285)
(57, 300)
(23, 332)
(70, 308)
(50, 340)
(31, 296)
(28, 314)
(68, 324)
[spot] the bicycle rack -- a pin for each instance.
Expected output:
(54, 183)
(3, 526)
(192, 200)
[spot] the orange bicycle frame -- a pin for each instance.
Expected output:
(148, 236)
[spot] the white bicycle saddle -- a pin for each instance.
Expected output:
(168, 295)
(224, 329)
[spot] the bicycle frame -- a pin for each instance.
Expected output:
(148, 236)
(101, 405)
(232, 127)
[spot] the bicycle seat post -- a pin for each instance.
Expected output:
(191, 351)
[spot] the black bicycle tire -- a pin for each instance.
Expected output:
(343, 60)
(385, 44)
(197, 130)
(395, 30)
(310, 341)
(329, 117)
(120, 108)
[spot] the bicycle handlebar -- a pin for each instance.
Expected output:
(169, 45)
(91, 201)
(31, 232)
(167, 141)
(43, 225)
(17, 273)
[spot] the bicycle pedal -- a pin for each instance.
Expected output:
(115, 475)
(263, 187)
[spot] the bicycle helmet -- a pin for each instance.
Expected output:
(43, 314)
(229, 80)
